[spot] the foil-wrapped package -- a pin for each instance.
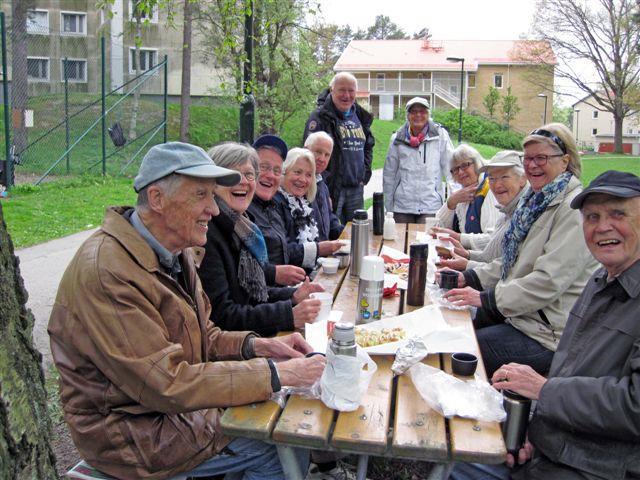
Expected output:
(409, 354)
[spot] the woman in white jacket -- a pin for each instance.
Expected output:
(416, 165)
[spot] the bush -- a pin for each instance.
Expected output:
(476, 129)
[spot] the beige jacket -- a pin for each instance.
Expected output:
(143, 371)
(552, 268)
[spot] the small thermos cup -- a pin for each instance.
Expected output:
(370, 289)
(514, 428)
(359, 240)
(343, 339)
(417, 282)
(378, 213)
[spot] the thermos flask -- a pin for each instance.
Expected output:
(417, 282)
(378, 213)
(359, 240)
(370, 289)
(514, 428)
(343, 339)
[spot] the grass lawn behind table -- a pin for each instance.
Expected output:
(62, 207)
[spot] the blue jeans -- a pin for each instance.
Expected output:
(501, 344)
(248, 460)
(350, 199)
(477, 471)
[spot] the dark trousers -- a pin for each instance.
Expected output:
(350, 199)
(412, 217)
(500, 343)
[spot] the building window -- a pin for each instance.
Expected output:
(471, 80)
(594, 132)
(148, 59)
(497, 80)
(38, 22)
(594, 114)
(38, 69)
(73, 23)
(380, 81)
(453, 90)
(76, 70)
(152, 19)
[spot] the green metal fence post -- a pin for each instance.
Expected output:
(8, 170)
(104, 107)
(166, 76)
(66, 111)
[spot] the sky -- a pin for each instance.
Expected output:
(446, 20)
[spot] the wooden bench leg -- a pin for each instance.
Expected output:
(290, 464)
(441, 471)
(363, 463)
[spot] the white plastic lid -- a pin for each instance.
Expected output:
(372, 268)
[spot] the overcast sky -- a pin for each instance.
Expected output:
(446, 19)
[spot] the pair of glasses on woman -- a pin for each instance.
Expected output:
(541, 160)
(462, 166)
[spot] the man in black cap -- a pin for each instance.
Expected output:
(587, 420)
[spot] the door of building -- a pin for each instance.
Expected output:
(386, 107)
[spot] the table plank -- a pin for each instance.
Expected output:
(304, 422)
(419, 431)
(365, 429)
(251, 421)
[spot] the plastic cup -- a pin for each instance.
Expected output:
(464, 364)
(448, 280)
(326, 300)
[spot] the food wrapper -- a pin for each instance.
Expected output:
(409, 354)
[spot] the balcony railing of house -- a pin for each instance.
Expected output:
(410, 86)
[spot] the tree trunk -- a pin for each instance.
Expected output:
(618, 118)
(25, 450)
(185, 91)
(19, 82)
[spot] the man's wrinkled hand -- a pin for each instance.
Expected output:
(301, 372)
(287, 346)
(304, 290)
(306, 312)
(524, 455)
(289, 275)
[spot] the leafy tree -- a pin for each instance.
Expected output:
(491, 100)
(562, 114)
(510, 107)
(328, 42)
(384, 29)
(600, 32)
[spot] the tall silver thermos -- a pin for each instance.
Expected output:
(359, 241)
(343, 339)
(514, 428)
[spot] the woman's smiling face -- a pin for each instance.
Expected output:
(298, 178)
(239, 196)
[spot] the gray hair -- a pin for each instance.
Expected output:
(168, 185)
(293, 156)
(467, 152)
(233, 155)
(343, 76)
(315, 136)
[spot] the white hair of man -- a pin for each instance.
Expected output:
(315, 136)
(343, 76)
(168, 185)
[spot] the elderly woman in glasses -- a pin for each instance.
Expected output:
(524, 296)
(297, 192)
(232, 270)
(469, 215)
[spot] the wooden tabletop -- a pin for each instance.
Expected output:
(393, 420)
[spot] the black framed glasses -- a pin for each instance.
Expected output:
(539, 160)
(462, 166)
(551, 136)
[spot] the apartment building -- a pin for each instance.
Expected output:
(390, 72)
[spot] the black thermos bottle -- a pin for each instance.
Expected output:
(514, 428)
(417, 283)
(378, 213)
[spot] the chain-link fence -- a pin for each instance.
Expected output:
(61, 83)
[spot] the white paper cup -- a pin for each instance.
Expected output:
(326, 300)
(330, 265)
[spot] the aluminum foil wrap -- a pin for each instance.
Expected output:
(409, 354)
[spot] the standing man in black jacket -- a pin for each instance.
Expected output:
(349, 125)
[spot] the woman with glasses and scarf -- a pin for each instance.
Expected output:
(524, 297)
(232, 270)
(297, 191)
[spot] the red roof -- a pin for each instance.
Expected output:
(417, 55)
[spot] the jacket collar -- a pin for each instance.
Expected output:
(629, 280)
(573, 184)
(432, 132)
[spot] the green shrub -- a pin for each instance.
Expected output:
(476, 129)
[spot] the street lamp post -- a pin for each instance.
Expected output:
(577, 111)
(542, 95)
(456, 60)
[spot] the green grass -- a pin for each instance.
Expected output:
(56, 209)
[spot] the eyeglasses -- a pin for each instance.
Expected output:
(268, 168)
(249, 175)
(540, 160)
(554, 138)
(462, 166)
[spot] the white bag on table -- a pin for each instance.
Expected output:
(341, 374)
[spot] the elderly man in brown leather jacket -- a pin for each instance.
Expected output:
(143, 371)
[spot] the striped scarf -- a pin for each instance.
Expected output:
(529, 209)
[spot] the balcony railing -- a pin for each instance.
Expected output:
(394, 85)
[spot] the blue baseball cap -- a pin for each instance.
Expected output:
(611, 182)
(272, 141)
(184, 159)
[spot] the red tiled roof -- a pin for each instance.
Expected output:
(412, 54)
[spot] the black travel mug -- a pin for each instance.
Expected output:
(378, 213)
(417, 282)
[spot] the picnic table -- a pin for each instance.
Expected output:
(392, 421)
